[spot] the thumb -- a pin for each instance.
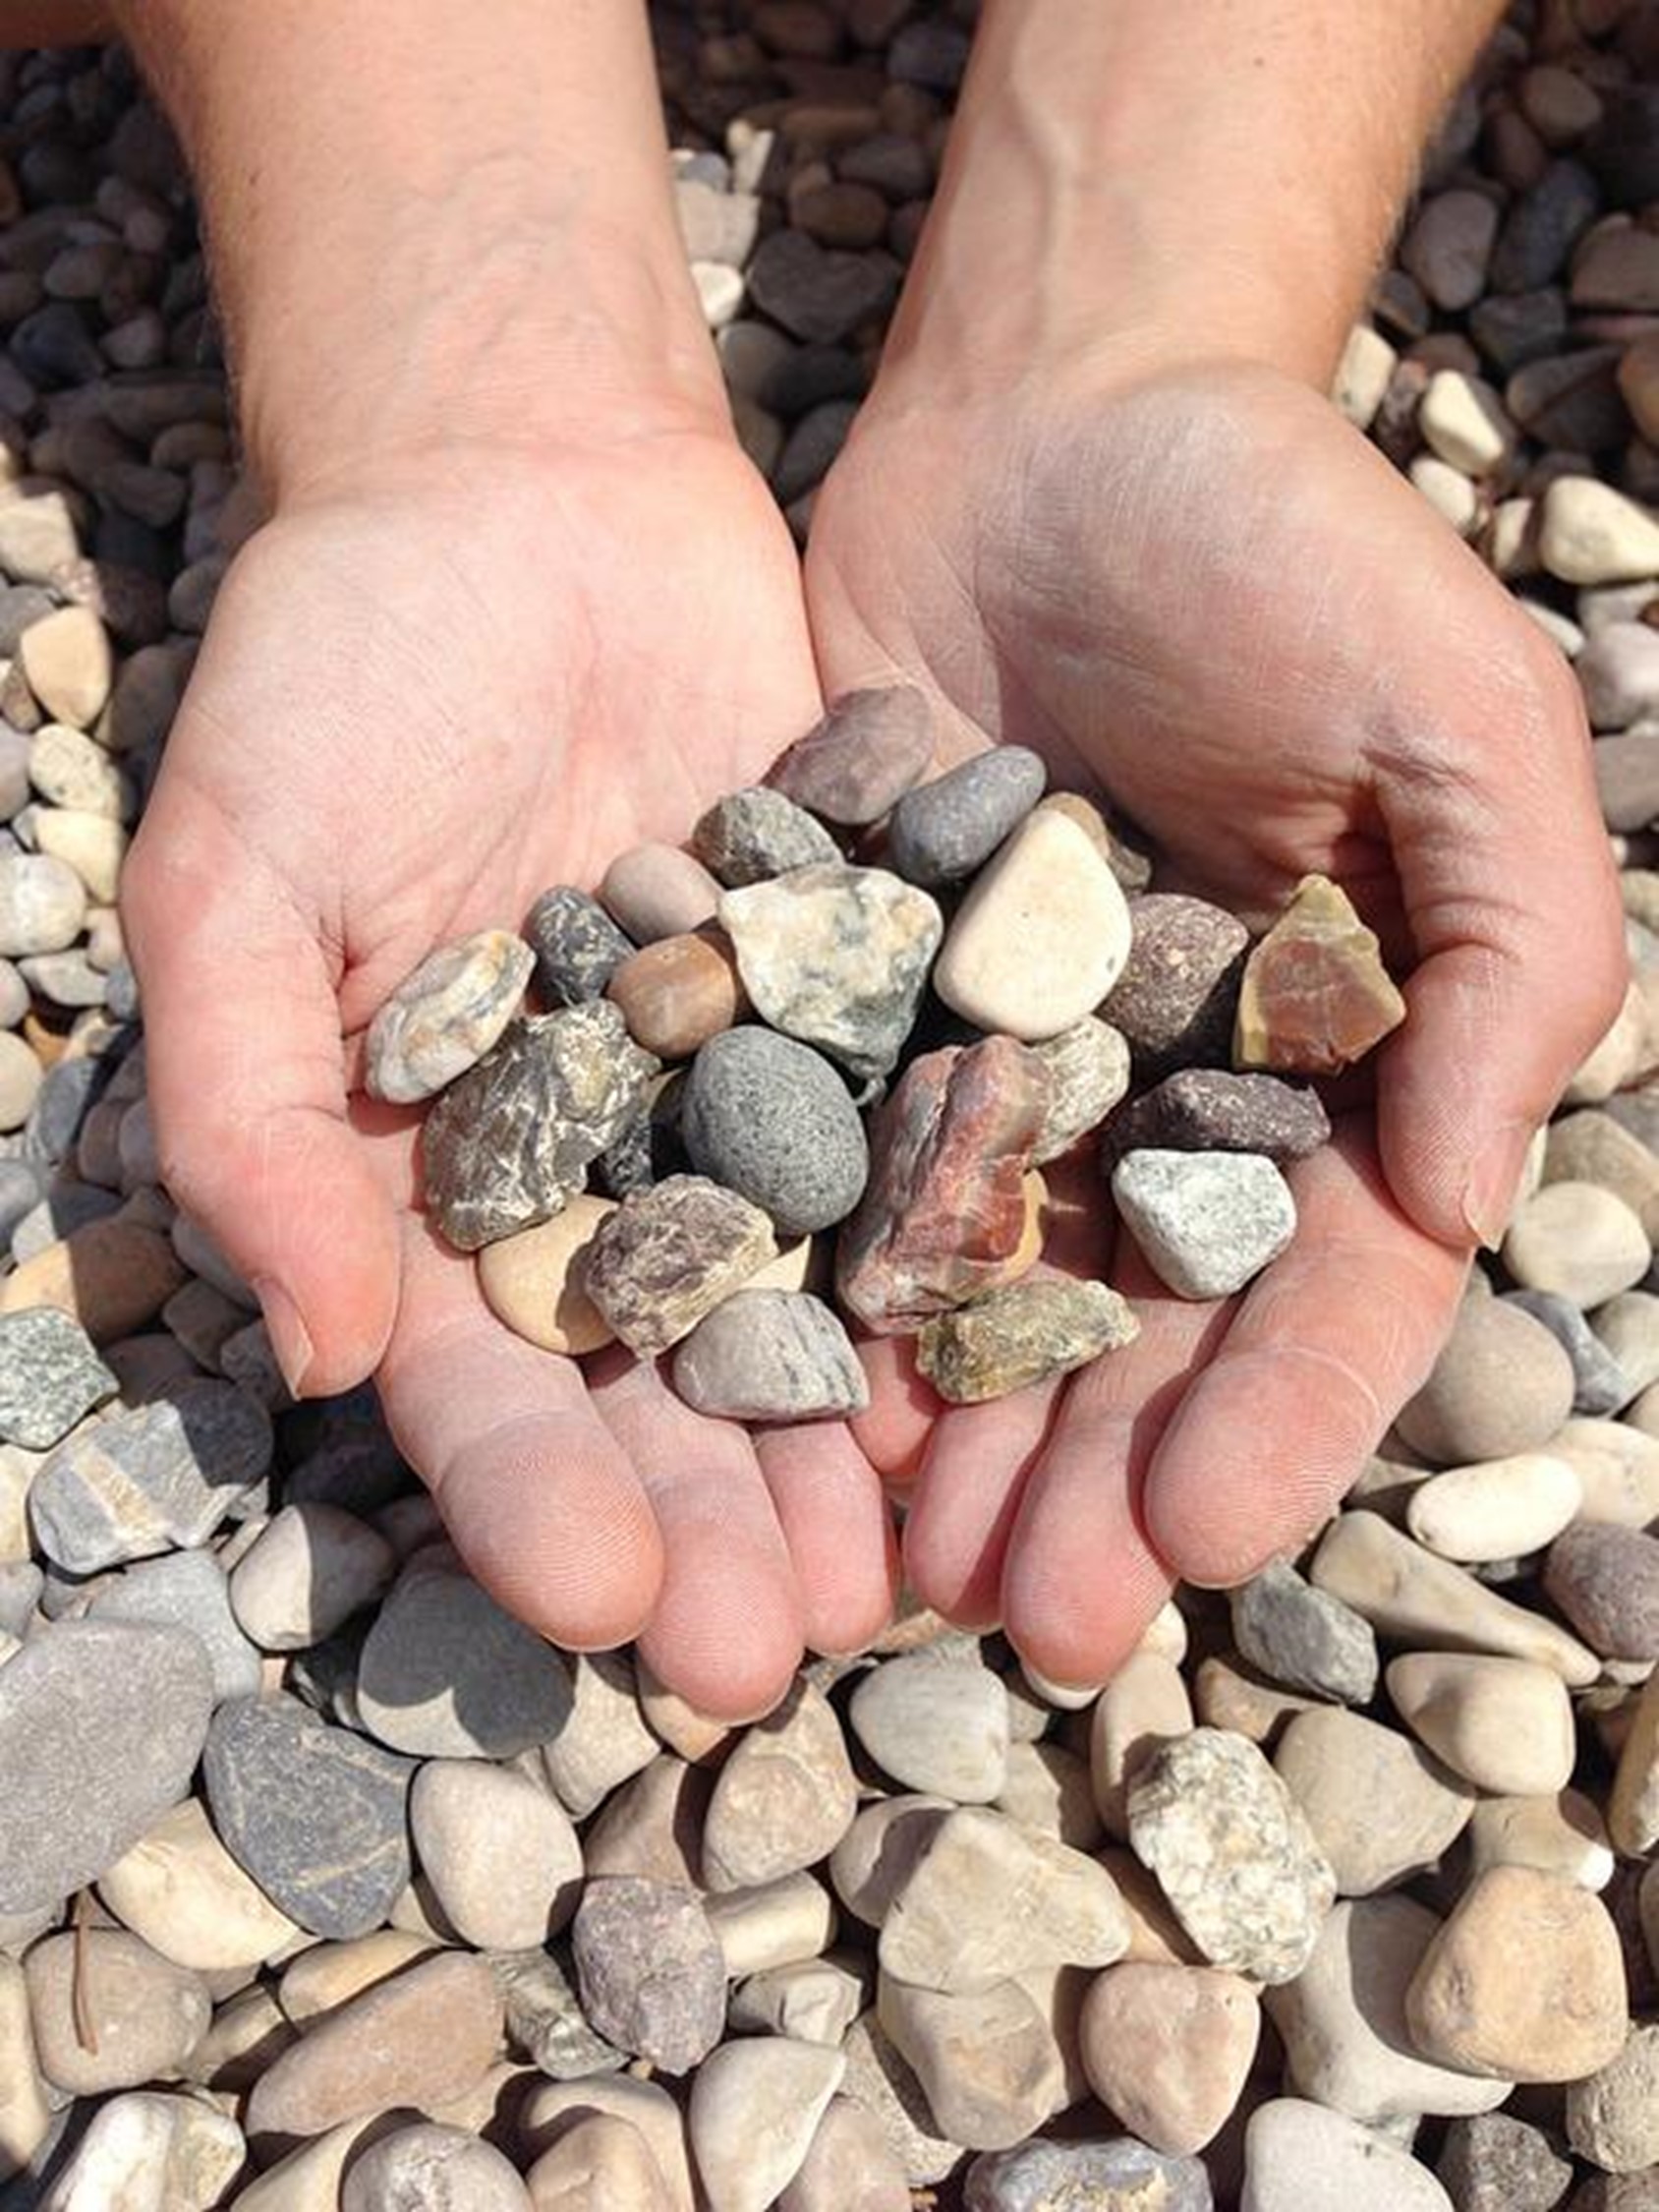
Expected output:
(247, 1084)
(1512, 903)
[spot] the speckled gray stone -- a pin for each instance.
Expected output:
(1205, 1222)
(101, 1724)
(651, 1969)
(512, 1140)
(447, 1674)
(1493, 2162)
(752, 835)
(1304, 1637)
(1175, 999)
(50, 1375)
(578, 948)
(1599, 1383)
(189, 1589)
(868, 750)
(1120, 2176)
(770, 1355)
(544, 2016)
(144, 1480)
(943, 830)
(1087, 1067)
(1207, 1110)
(669, 1255)
(772, 1119)
(317, 1816)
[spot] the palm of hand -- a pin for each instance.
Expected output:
(416, 711)
(1210, 599)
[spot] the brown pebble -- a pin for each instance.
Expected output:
(854, 765)
(113, 1276)
(679, 992)
(533, 1281)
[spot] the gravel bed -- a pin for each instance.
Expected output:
(323, 1883)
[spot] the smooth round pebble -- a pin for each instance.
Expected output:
(938, 1725)
(1300, 2158)
(42, 904)
(311, 1567)
(771, 1118)
(943, 829)
(1505, 1725)
(501, 1855)
(1379, 1806)
(432, 2169)
(1501, 1385)
(183, 1893)
(110, 2013)
(533, 1281)
(1168, 2048)
(600, 2164)
(770, 1355)
(755, 2106)
(1499, 1509)
(1580, 1242)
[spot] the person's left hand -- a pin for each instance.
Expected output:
(1204, 594)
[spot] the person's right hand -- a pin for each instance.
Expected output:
(426, 695)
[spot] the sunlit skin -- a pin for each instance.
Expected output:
(523, 601)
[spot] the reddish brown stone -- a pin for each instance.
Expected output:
(1316, 996)
(678, 993)
(869, 749)
(944, 1213)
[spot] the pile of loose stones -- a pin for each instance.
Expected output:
(325, 1885)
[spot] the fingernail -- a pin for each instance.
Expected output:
(290, 1339)
(1489, 1192)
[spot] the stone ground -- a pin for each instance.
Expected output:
(1341, 1894)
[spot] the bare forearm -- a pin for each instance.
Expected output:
(1233, 166)
(430, 222)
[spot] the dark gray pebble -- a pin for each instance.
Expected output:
(1206, 1109)
(771, 1118)
(943, 830)
(1599, 1383)
(752, 835)
(578, 948)
(1304, 1637)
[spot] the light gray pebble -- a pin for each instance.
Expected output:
(1304, 1637)
(936, 1725)
(752, 835)
(20, 1193)
(1205, 1222)
(771, 1118)
(770, 1355)
(1599, 1383)
(1117, 2176)
(188, 1590)
(68, 979)
(50, 1376)
(430, 2168)
(944, 830)
(21, 1585)
(42, 904)
(13, 995)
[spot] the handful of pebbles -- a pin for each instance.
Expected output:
(878, 1003)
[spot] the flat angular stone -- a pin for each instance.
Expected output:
(768, 1355)
(1232, 1854)
(945, 829)
(1041, 937)
(1207, 1110)
(1088, 1072)
(1493, 2162)
(1206, 1222)
(1121, 2176)
(770, 1119)
(512, 1140)
(315, 1814)
(445, 1016)
(578, 948)
(943, 1213)
(651, 1971)
(1304, 1637)
(1606, 1581)
(151, 1478)
(50, 1375)
(1315, 995)
(100, 1727)
(837, 956)
(1008, 1338)
(447, 1674)
(669, 1255)
(1175, 999)
(752, 835)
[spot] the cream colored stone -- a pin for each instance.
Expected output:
(501, 1855)
(1505, 1725)
(136, 2018)
(1594, 535)
(778, 1924)
(1448, 491)
(1050, 1789)
(848, 2167)
(67, 660)
(309, 2179)
(1563, 1835)
(181, 1892)
(24, 2113)
(92, 845)
(987, 2060)
(1495, 1509)
(600, 2164)
(1464, 422)
(1363, 374)
(247, 2032)
(310, 1569)
(652, 1826)
(1226, 1695)
(551, 2112)
(1632, 1810)
(783, 1799)
(1144, 1706)
(1618, 1469)
(881, 1849)
(150, 2153)
(754, 2107)
(1578, 1240)
(693, 1737)
(533, 1281)
(1380, 1807)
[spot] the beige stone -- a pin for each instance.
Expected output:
(1526, 1981)
(1504, 1724)
(112, 1276)
(753, 2110)
(1618, 1469)
(501, 1854)
(309, 2179)
(1579, 1241)
(67, 660)
(783, 1799)
(849, 2167)
(1632, 1810)
(652, 1826)
(247, 2032)
(1156, 1937)
(1363, 374)
(137, 2019)
(1167, 2050)
(551, 2111)
(1381, 1808)
(1228, 1694)
(1501, 1384)
(327, 1975)
(145, 2150)
(987, 2060)
(693, 1737)
(603, 1742)
(25, 2114)
(533, 1281)
(776, 1925)
(91, 844)
(1593, 534)
(1143, 1706)
(601, 2163)
(881, 1849)
(814, 2000)
(427, 2163)
(1497, 1509)
(1563, 1835)
(1462, 421)
(181, 1892)
(1049, 1787)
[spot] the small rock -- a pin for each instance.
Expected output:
(944, 1213)
(1175, 999)
(783, 1799)
(1591, 534)
(987, 1900)
(1206, 1109)
(1087, 1067)
(1449, 245)
(1579, 1241)
(1562, 1834)
(426, 2168)
(781, 1923)
(512, 1140)
(576, 945)
(310, 1568)
(1234, 1854)
(50, 1376)
(836, 956)
(100, 1727)
(1506, 1724)
(1205, 1222)
(19, 1075)
(644, 2106)
(604, 1740)
(939, 1726)
(189, 1589)
(1499, 1509)
(600, 2164)
(849, 2166)
(544, 2019)
(655, 891)
(987, 2060)
(651, 1972)
(1380, 1808)
(1501, 1385)
(445, 1673)
(878, 2078)
(669, 1255)
(142, 2150)
(535, 1280)
(42, 904)
(755, 2108)
(1617, 673)
(766, 1355)
(1613, 2115)
(751, 836)
(1464, 421)
(652, 1826)
(1122, 2176)
(181, 1890)
(1025, 1333)
(1315, 995)
(879, 1851)
(1041, 937)
(945, 829)
(818, 295)
(678, 993)
(1493, 2162)
(770, 1119)
(1526, 1981)
(313, 1813)
(113, 1276)
(1144, 1705)
(67, 660)
(445, 1016)
(1300, 2158)
(1167, 2050)
(502, 1858)
(1606, 1581)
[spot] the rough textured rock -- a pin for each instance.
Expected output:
(1205, 1222)
(766, 1355)
(445, 1016)
(751, 836)
(1496, 2163)
(1177, 997)
(1207, 1110)
(651, 1971)
(1304, 1637)
(545, 2017)
(943, 830)
(770, 1119)
(1613, 2114)
(578, 948)
(669, 1255)
(511, 1140)
(1606, 1581)
(1121, 2176)
(1022, 1334)
(1232, 1852)
(50, 1376)
(1088, 1072)
(868, 750)
(431, 2165)
(1315, 995)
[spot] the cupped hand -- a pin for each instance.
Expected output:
(424, 697)
(1202, 592)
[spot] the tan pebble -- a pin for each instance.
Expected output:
(1524, 1982)
(694, 1735)
(652, 1826)
(551, 2111)
(778, 1924)
(67, 660)
(679, 992)
(1501, 1384)
(1563, 1835)
(655, 891)
(1578, 1240)
(1380, 1807)
(987, 2060)
(1632, 1810)
(533, 1281)
(181, 1892)
(1590, 1146)
(247, 2032)
(814, 2000)
(1168, 2048)
(92, 845)
(25, 2114)
(849, 2168)
(1628, 1050)
(601, 2163)
(1505, 1725)
(327, 1975)
(604, 1740)
(309, 2179)
(1145, 1705)
(1616, 1463)
(881, 1849)
(1228, 1694)
(755, 2106)
(1363, 374)
(113, 1277)
(1156, 1937)
(1049, 1789)
(136, 2017)
(803, 1264)
(1501, 1509)
(783, 1799)
(501, 1854)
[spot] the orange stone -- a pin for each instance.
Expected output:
(678, 993)
(1316, 996)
